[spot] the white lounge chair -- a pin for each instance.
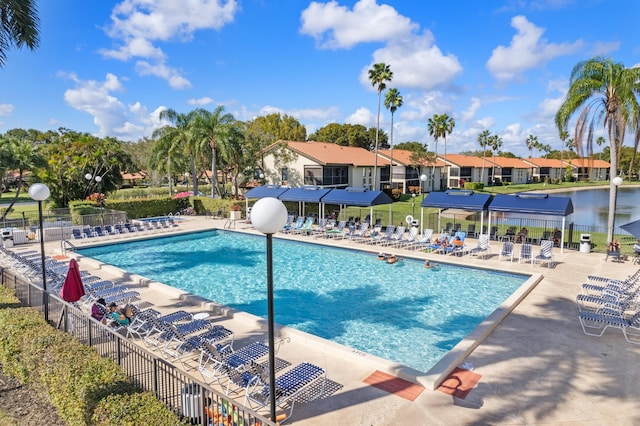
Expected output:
(596, 323)
(526, 253)
(483, 247)
(507, 251)
(545, 255)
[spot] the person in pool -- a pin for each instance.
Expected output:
(392, 259)
(429, 264)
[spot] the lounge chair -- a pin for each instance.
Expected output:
(359, 232)
(182, 344)
(305, 228)
(526, 253)
(397, 236)
(423, 241)
(507, 251)
(483, 247)
(170, 332)
(596, 323)
(411, 238)
(545, 255)
(369, 235)
(218, 362)
(297, 225)
(388, 234)
(305, 382)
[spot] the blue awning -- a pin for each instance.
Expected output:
(462, 200)
(305, 194)
(356, 197)
(532, 203)
(265, 191)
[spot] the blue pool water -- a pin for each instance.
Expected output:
(402, 312)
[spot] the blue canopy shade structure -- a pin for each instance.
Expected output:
(265, 191)
(463, 200)
(306, 194)
(532, 203)
(458, 200)
(356, 197)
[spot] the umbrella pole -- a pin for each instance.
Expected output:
(62, 315)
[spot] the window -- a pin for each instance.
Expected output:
(284, 174)
(335, 176)
(313, 175)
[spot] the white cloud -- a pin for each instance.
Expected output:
(527, 50)
(334, 26)
(364, 117)
(112, 116)
(324, 114)
(205, 100)
(470, 112)
(602, 48)
(416, 62)
(6, 109)
(421, 106)
(138, 24)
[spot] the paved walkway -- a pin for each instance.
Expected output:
(537, 366)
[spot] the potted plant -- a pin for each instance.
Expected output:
(236, 213)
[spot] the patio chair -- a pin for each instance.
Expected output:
(182, 344)
(545, 255)
(337, 231)
(526, 253)
(471, 230)
(614, 255)
(423, 241)
(507, 251)
(296, 225)
(305, 382)
(397, 236)
(483, 247)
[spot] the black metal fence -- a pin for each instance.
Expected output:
(185, 395)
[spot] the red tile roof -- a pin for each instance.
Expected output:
(329, 153)
(403, 157)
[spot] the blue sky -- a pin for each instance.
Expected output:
(109, 67)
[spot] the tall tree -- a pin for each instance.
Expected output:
(439, 126)
(483, 140)
(19, 26)
(392, 101)
(564, 135)
(379, 74)
(181, 133)
(213, 129)
(532, 142)
(604, 91)
(495, 143)
(22, 156)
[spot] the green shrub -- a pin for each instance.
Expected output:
(74, 377)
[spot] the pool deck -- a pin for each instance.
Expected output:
(537, 366)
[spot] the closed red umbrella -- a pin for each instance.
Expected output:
(72, 288)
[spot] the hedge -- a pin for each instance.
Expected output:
(85, 388)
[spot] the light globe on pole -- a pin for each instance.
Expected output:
(423, 179)
(88, 176)
(40, 192)
(98, 179)
(269, 215)
(616, 181)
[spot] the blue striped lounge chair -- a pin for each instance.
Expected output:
(219, 362)
(483, 246)
(507, 251)
(297, 225)
(526, 253)
(381, 238)
(545, 255)
(397, 236)
(596, 323)
(305, 382)
(183, 344)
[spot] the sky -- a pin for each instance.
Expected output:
(109, 68)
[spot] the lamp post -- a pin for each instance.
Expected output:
(413, 204)
(269, 215)
(90, 177)
(40, 192)
(616, 181)
(423, 179)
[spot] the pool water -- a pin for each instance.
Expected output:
(401, 312)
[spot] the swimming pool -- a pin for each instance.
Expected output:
(402, 312)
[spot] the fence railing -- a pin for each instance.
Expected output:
(183, 394)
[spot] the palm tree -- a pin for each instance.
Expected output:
(483, 140)
(380, 73)
(439, 126)
(564, 135)
(19, 26)
(392, 101)
(212, 128)
(532, 142)
(180, 135)
(495, 143)
(21, 156)
(605, 91)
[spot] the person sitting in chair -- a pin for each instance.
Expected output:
(522, 235)
(556, 236)
(613, 246)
